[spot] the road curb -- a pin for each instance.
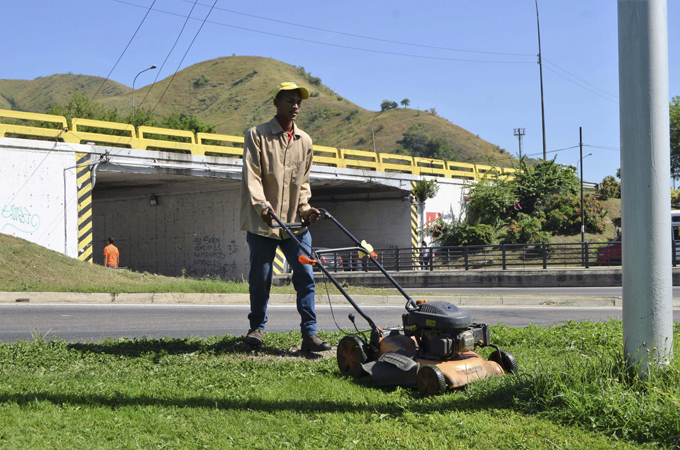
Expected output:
(243, 299)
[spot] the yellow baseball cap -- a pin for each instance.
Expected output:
(290, 86)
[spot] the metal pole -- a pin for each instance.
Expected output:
(645, 196)
(519, 132)
(133, 88)
(540, 65)
(373, 135)
(583, 206)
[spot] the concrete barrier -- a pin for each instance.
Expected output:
(577, 277)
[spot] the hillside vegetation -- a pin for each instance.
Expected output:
(235, 93)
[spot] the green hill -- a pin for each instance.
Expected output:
(235, 93)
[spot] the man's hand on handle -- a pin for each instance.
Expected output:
(311, 215)
(266, 217)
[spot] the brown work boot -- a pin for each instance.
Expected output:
(254, 337)
(313, 343)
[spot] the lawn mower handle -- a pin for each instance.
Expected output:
(308, 254)
(410, 304)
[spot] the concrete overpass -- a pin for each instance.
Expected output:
(70, 197)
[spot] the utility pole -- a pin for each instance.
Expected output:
(540, 65)
(519, 132)
(645, 196)
(583, 207)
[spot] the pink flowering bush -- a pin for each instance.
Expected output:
(562, 214)
(609, 188)
(525, 229)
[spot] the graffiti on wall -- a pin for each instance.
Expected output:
(211, 258)
(19, 218)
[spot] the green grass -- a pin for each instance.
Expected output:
(28, 267)
(573, 392)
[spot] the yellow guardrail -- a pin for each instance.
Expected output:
(212, 144)
(466, 171)
(397, 163)
(359, 159)
(32, 125)
(327, 156)
(162, 139)
(432, 167)
(49, 127)
(79, 131)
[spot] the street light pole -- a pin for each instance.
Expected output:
(540, 65)
(373, 135)
(133, 88)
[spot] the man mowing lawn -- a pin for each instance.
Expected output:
(277, 159)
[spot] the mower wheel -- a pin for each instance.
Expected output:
(431, 381)
(505, 359)
(351, 355)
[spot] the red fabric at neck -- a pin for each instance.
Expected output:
(292, 128)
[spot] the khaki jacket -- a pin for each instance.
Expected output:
(276, 175)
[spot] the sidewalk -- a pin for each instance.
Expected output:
(243, 299)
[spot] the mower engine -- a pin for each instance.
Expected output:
(443, 331)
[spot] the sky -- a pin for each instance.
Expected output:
(475, 62)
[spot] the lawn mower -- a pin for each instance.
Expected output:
(434, 347)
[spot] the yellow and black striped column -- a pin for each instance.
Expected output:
(414, 226)
(84, 184)
(279, 262)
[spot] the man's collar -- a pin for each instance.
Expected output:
(276, 128)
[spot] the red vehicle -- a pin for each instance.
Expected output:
(610, 254)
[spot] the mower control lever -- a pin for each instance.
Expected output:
(292, 226)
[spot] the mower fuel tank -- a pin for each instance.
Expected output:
(437, 315)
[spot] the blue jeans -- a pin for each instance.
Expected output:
(262, 253)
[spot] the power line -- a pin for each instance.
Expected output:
(365, 37)
(554, 151)
(603, 147)
(339, 45)
(583, 87)
(581, 79)
(121, 55)
(185, 54)
(168, 56)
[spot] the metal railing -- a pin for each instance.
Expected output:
(488, 257)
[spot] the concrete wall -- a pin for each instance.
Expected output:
(195, 227)
(35, 184)
(449, 204)
(383, 224)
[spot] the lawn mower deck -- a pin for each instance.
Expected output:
(434, 347)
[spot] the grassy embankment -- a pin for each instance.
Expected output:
(573, 392)
(28, 267)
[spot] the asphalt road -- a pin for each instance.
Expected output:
(89, 322)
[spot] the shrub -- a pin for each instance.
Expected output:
(564, 214)
(492, 201)
(454, 233)
(425, 189)
(536, 184)
(525, 229)
(609, 188)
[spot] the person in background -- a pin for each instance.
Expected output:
(111, 255)
(425, 255)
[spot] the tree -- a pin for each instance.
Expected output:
(415, 142)
(177, 121)
(405, 102)
(433, 111)
(675, 136)
(386, 105)
(535, 185)
(81, 107)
